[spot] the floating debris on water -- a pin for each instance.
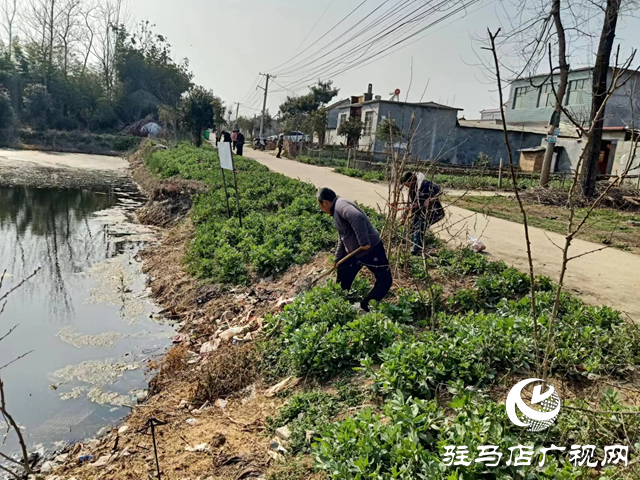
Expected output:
(102, 397)
(116, 278)
(78, 340)
(95, 373)
(74, 393)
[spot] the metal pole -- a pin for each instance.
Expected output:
(235, 182)
(500, 173)
(264, 103)
(237, 110)
(226, 194)
(155, 448)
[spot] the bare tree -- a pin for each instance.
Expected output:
(9, 10)
(22, 463)
(599, 91)
(109, 16)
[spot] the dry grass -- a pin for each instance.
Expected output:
(229, 371)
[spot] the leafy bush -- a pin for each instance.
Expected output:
(368, 176)
(474, 349)
(311, 411)
(282, 224)
(321, 334)
(407, 441)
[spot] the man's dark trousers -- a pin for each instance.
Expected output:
(239, 147)
(376, 261)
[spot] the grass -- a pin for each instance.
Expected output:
(605, 226)
(457, 182)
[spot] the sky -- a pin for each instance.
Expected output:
(229, 42)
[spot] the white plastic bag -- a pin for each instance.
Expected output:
(476, 245)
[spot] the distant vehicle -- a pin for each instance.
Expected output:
(272, 138)
(296, 137)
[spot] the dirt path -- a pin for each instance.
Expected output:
(609, 277)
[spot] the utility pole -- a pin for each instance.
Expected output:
(237, 110)
(264, 103)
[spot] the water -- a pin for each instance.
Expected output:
(85, 316)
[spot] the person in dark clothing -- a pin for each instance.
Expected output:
(280, 145)
(425, 208)
(225, 136)
(239, 143)
(355, 230)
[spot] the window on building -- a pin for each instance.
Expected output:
(518, 99)
(343, 118)
(577, 92)
(368, 123)
(547, 97)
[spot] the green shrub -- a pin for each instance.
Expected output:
(474, 349)
(369, 176)
(321, 334)
(282, 224)
(311, 411)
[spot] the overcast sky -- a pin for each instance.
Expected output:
(228, 42)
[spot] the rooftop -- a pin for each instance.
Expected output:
(566, 129)
(410, 104)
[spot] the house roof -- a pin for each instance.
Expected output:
(566, 129)
(573, 70)
(490, 110)
(337, 104)
(410, 104)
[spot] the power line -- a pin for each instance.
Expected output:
(284, 72)
(369, 42)
(337, 69)
(315, 25)
(327, 33)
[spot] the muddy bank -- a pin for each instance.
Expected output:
(63, 170)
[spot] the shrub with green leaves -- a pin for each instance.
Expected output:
(282, 224)
(407, 440)
(311, 411)
(321, 334)
(368, 176)
(474, 349)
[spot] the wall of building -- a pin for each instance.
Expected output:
(472, 141)
(530, 114)
(621, 159)
(434, 129)
(619, 111)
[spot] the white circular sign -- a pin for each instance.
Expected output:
(548, 406)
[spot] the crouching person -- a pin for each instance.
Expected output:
(356, 231)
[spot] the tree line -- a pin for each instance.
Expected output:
(81, 65)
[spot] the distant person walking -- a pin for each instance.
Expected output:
(356, 231)
(425, 208)
(280, 145)
(234, 139)
(239, 143)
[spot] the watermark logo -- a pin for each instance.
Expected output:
(537, 419)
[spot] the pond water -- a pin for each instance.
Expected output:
(85, 316)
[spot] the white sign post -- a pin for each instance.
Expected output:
(226, 163)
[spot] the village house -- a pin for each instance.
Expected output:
(437, 132)
(531, 104)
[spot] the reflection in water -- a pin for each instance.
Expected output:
(57, 230)
(50, 228)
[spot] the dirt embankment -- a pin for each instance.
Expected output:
(206, 390)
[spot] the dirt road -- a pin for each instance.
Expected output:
(610, 277)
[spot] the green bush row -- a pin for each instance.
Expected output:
(78, 140)
(281, 222)
(407, 441)
(368, 176)
(322, 161)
